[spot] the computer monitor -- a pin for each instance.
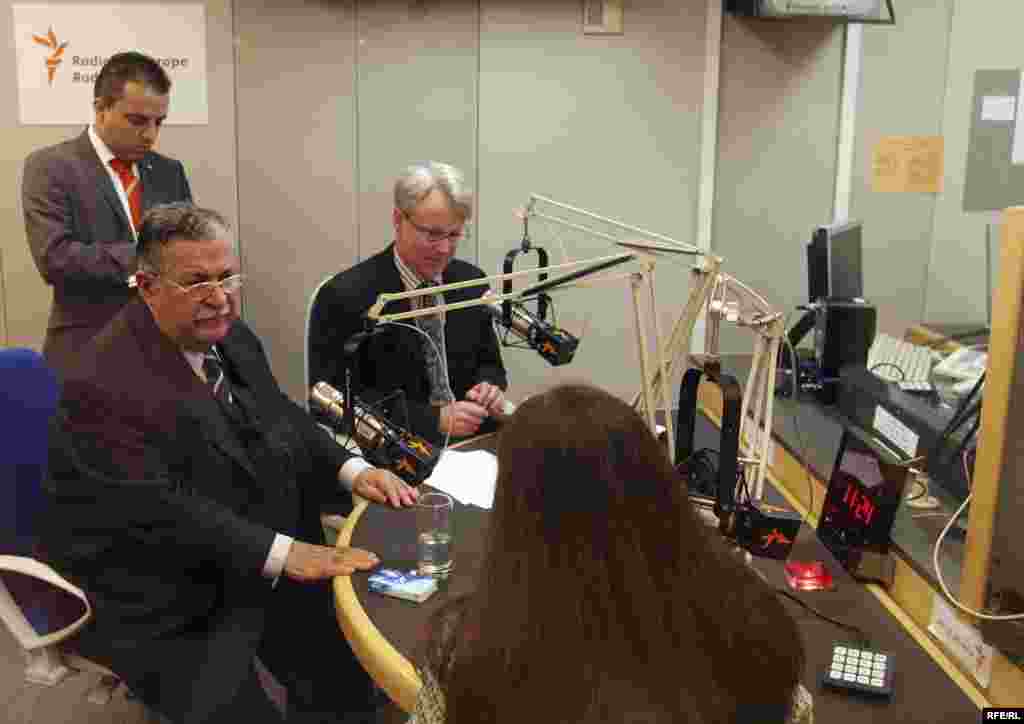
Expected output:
(835, 263)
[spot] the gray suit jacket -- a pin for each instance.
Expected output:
(81, 238)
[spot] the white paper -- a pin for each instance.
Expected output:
(469, 477)
(1017, 148)
(902, 436)
(59, 48)
(998, 108)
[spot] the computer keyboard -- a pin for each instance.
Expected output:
(897, 360)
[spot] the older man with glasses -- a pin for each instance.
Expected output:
(185, 490)
(439, 374)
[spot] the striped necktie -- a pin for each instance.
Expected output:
(431, 324)
(216, 379)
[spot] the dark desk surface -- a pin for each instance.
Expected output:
(810, 432)
(923, 692)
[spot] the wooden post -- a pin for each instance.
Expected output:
(998, 438)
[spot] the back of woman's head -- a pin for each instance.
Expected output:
(602, 598)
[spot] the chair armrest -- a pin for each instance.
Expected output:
(15, 619)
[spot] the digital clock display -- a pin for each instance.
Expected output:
(864, 493)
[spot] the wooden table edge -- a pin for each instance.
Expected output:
(389, 668)
(394, 673)
(908, 580)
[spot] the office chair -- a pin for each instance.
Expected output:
(307, 360)
(40, 608)
(329, 517)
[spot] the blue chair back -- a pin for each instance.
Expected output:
(28, 400)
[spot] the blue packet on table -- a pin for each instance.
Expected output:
(410, 586)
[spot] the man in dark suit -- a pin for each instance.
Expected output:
(185, 490)
(432, 206)
(83, 200)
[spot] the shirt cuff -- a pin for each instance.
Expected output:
(350, 471)
(279, 550)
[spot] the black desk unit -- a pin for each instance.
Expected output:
(810, 433)
(387, 633)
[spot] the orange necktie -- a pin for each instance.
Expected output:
(132, 188)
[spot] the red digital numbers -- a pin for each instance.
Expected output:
(858, 503)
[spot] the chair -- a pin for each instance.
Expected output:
(329, 517)
(40, 608)
(307, 383)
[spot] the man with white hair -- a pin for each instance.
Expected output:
(445, 370)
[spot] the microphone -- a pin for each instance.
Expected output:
(552, 343)
(383, 443)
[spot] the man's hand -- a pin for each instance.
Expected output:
(489, 397)
(383, 486)
(307, 562)
(462, 418)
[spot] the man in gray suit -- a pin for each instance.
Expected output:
(83, 200)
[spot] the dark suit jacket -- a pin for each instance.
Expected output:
(81, 238)
(163, 515)
(392, 359)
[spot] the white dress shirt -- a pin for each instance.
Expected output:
(106, 156)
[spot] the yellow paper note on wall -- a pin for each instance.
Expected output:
(908, 164)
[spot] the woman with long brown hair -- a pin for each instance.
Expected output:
(602, 598)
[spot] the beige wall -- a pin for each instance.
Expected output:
(982, 37)
(925, 256)
(902, 92)
(777, 129)
(208, 153)
(333, 97)
(514, 94)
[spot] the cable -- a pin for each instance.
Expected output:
(796, 424)
(942, 581)
(859, 632)
(917, 496)
(444, 366)
(963, 412)
(903, 375)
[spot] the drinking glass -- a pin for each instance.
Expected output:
(434, 534)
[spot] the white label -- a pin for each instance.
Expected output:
(60, 47)
(998, 108)
(963, 641)
(901, 435)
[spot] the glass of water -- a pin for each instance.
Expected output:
(434, 534)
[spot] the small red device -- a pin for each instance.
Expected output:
(808, 576)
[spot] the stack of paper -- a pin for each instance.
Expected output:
(469, 477)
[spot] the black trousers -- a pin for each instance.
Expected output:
(305, 650)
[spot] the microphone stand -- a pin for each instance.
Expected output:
(351, 351)
(525, 247)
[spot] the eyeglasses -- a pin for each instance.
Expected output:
(435, 235)
(201, 291)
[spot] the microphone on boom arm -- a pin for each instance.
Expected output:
(552, 343)
(383, 443)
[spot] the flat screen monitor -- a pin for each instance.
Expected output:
(834, 263)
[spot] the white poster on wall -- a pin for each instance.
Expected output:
(60, 48)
